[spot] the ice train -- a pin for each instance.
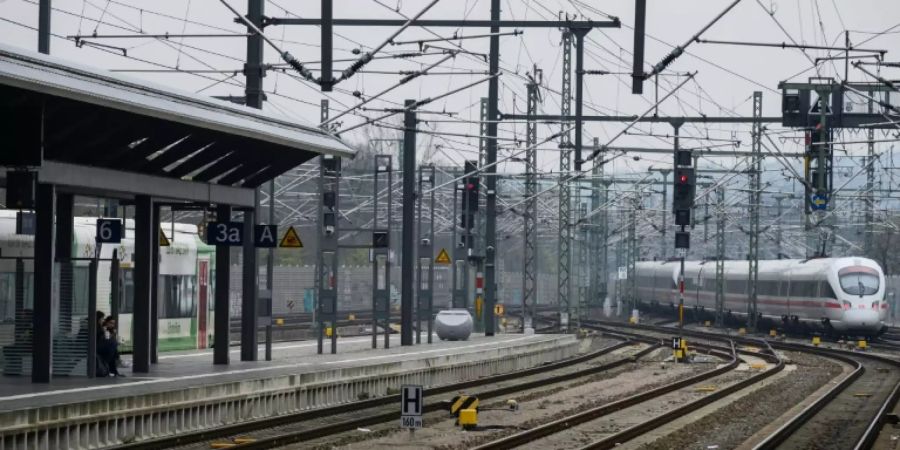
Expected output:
(840, 295)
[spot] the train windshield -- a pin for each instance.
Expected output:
(859, 283)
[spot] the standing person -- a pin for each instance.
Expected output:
(100, 336)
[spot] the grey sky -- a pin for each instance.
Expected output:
(717, 91)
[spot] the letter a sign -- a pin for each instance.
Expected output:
(264, 236)
(412, 403)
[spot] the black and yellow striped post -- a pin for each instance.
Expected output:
(462, 402)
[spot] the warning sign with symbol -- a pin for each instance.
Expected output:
(291, 239)
(498, 310)
(163, 240)
(443, 257)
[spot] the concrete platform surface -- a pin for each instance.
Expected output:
(181, 370)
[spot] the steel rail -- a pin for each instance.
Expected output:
(875, 424)
(328, 430)
(565, 423)
(302, 416)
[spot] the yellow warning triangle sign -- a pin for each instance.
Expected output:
(163, 240)
(443, 257)
(291, 239)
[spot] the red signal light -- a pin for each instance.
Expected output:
(683, 179)
(470, 186)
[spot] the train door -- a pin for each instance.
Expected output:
(202, 300)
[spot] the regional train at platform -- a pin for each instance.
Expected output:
(841, 296)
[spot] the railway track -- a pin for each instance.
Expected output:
(536, 436)
(848, 415)
(304, 426)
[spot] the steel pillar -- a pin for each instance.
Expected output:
(63, 247)
(529, 264)
(45, 9)
(154, 286)
(479, 236)
(381, 258)
(249, 287)
(632, 254)
(460, 269)
(408, 232)
(222, 304)
(564, 239)
(869, 215)
(664, 248)
(755, 199)
(425, 267)
(254, 70)
(143, 273)
(720, 257)
(490, 226)
(44, 267)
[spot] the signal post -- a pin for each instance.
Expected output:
(683, 190)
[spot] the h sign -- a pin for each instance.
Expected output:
(109, 231)
(676, 342)
(225, 233)
(265, 236)
(412, 403)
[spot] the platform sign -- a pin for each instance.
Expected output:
(109, 231)
(623, 273)
(265, 236)
(443, 257)
(225, 233)
(412, 404)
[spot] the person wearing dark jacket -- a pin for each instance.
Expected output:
(108, 346)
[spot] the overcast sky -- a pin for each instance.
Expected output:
(726, 79)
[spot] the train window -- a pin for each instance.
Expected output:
(803, 288)
(860, 283)
(176, 296)
(736, 286)
(826, 291)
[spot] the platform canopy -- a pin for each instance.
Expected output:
(108, 134)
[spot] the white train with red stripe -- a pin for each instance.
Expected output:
(844, 295)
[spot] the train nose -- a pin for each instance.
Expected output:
(862, 319)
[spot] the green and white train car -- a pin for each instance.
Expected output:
(185, 283)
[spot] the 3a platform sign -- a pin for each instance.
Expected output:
(412, 404)
(225, 233)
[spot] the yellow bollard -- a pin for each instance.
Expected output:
(279, 321)
(816, 341)
(706, 324)
(328, 332)
(742, 331)
(468, 418)
(773, 333)
(862, 344)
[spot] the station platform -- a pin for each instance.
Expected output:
(186, 392)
